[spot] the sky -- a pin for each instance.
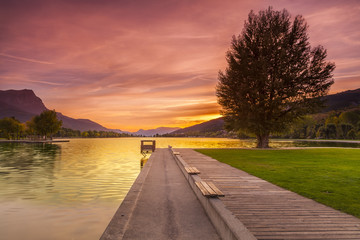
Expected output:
(130, 64)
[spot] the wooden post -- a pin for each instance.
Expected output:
(147, 146)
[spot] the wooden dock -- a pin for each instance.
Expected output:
(160, 205)
(268, 211)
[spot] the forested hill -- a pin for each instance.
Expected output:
(335, 102)
(212, 128)
(156, 131)
(342, 100)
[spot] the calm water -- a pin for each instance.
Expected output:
(72, 190)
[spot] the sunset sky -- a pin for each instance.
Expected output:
(131, 64)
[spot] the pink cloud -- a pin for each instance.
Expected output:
(113, 61)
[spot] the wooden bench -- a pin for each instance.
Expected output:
(192, 170)
(208, 189)
(188, 169)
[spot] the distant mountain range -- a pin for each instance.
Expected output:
(214, 125)
(24, 104)
(152, 132)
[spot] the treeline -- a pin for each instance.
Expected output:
(208, 134)
(333, 125)
(70, 133)
(46, 125)
(341, 124)
(11, 128)
(40, 126)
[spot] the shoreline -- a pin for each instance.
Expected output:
(328, 140)
(32, 141)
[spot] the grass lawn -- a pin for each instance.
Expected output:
(327, 175)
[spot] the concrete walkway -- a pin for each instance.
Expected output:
(268, 211)
(160, 205)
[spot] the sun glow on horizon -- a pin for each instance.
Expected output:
(178, 122)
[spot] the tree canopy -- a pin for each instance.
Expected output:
(11, 128)
(46, 124)
(273, 75)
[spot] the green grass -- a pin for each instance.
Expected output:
(327, 175)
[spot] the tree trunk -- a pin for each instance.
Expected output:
(262, 141)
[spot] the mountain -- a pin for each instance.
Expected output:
(338, 101)
(215, 125)
(24, 104)
(152, 132)
(342, 100)
(80, 124)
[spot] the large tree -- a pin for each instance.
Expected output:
(273, 75)
(46, 124)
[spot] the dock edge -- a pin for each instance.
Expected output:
(224, 221)
(118, 224)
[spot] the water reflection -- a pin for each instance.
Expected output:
(25, 156)
(64, 191)
(26, 170)
(143, 162)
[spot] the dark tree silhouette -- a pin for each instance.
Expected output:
(273, 76)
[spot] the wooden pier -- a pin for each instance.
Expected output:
(182, 194)
(160, 205)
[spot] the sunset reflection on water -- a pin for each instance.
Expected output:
(71, 190)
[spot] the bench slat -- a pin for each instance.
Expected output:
(216, 190)
(195, 170)
(202, 189)
(212, 193)
(192, 170)
(208, 189)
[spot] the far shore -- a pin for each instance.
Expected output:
(32, 141)
(55, 140)
(323, 140)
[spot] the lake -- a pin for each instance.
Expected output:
(71, 190)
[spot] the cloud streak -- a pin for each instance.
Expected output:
(24, 59)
